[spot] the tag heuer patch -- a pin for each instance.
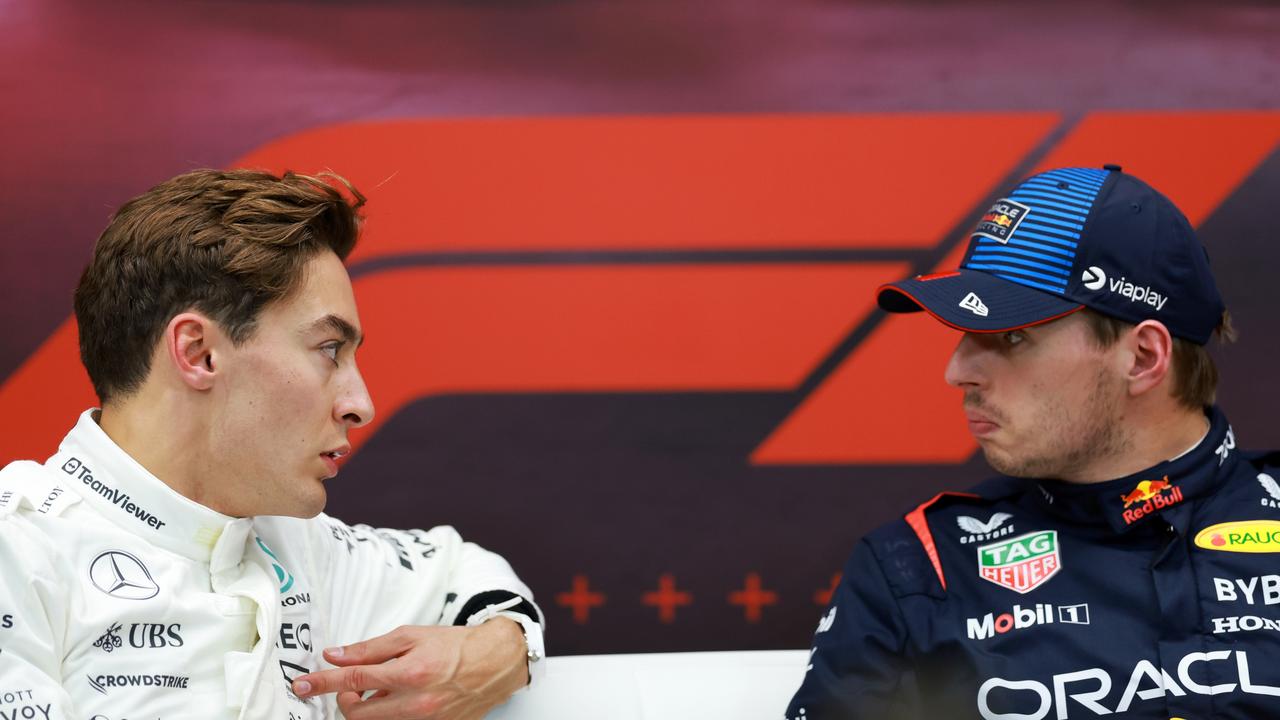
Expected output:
(1001, 220)
(1023, 563)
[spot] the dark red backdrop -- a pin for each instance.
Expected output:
(618, 265)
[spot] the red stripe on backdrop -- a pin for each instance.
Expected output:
(1197, 159)
(544, 329)
(886, 403)
(679, 182)
(604, 329)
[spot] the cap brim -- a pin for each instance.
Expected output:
(1007, 305)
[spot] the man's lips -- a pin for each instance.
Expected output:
(981, 425)
(330, 458)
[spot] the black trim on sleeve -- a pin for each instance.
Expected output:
(477, 603)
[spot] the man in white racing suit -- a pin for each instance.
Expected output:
(171, 560)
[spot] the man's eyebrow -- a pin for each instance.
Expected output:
(339, 325)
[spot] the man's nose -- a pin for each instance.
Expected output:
(354, 406)
(963, 369)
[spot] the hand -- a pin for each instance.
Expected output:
(427, 673)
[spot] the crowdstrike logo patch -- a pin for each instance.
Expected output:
(121, 575)
(974, 304)
(102, 683)
(1095, 278)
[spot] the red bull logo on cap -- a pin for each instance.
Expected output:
(1153, 495)
(1000, 222)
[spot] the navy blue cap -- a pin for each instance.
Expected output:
(1066, 239)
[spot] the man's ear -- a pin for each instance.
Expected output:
(1152, 348)
(192, 343)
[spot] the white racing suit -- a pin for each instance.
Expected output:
(123, 600)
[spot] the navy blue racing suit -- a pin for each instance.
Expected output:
(1151, 596)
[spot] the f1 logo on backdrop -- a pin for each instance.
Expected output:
(687, 254)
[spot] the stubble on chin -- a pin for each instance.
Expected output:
(1064, 442)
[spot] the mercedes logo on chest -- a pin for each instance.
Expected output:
(121, 575)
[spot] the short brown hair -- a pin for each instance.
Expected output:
(225, 243)
(1195, 377)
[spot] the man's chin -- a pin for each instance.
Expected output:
(1000, 461)
(308, 506)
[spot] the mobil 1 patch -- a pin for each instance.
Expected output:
(1001, 220)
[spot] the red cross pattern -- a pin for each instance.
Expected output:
(581, 599)
(666, 598)
(752, 598)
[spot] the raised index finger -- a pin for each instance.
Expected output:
(374, 650)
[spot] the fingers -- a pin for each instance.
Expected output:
(358, 679)
(400, 706)
(374, 650)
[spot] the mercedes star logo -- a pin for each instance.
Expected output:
(121, 575)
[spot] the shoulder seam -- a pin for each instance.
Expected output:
(920, 526)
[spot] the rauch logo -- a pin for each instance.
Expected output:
(1246, 536)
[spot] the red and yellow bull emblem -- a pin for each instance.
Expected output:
(1153, 495)
(998, 218)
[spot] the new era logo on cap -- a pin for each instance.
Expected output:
(974, 304)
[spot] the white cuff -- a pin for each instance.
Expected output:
(535, 650)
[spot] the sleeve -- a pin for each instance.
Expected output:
(858, 667)
(378, 579)
(31, 631)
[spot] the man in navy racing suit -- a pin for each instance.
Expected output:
(1125, 562)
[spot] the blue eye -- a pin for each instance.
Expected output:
(330, 351)
(1014, 337)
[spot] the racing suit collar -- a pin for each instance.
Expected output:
(1162, 490)
(111, 481)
